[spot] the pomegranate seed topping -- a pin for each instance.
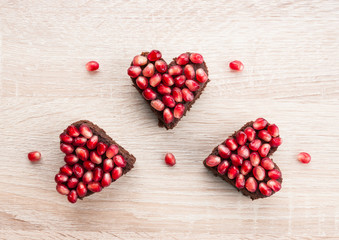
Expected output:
(236, 65)
(157, 105)
(264, 149)
(72, 182)
(92, 66)
(134, 71)
(106, 180)
(231, 144)
(241, 138)
(148, 70)
(178, 111)
(88, 177)
(79, 141)
(223, 151)
(67, 170)
(85, 131)
(264, 189)
(255, 159)
(201, 75)
(212, 161)
(236, 159)
(251, 184)
(142, 82)
(167, 80)
(244, 152)
(119, 161)
(107, 165)
(175, 70)
(187, 95)
(177, 94)
(274, 185)
(276, 142)
(250, 133)
(78, 170)
(273, 130)
(183, 59)
(73, 131)
(139, 60)
(92, 142)
(168, 100)
(189, 72)
(94, 187)
(116, 173)
(246, 167)
(168, 116)
(240, 181)
(264, 135)
(267, 163)
(62, 189)
(101, 148)
(60, 178)
(71, 159)
(155, 80)
(95, 157)
(88, 165)
(81, 189)
(163, 90)
(255, 145)
(222, 167)
(304, 157)
(196, 58)
(170, 159)
(97, 174)
(259, 173)
(66, 148)
(82, 153)
(179, 81)
(72, 196)
(233, 172)
(66, 138)
(259, 124)
(149, 94)
(192, 85)
(34, 156)
(274, 174)
(154, 55)
(112, 151)
(160, 66)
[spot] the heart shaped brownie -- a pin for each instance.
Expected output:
(243, 159)
(172, 89)
(93, 161)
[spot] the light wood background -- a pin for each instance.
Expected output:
(291, 77)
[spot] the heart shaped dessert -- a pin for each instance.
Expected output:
(172, 89)
(243, 159)
(93, 161)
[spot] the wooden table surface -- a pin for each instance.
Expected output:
(291, 77)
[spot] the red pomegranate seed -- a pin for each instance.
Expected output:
(192, 85)
(148, 71)
(139, 60)
(183, 59)
(101, 148)
(255, 145)
(240, 181)
(168, 116)
(154, 55)
(82, 153)
(274, 174)
(264, 189)
(72, 196)
(119, 161)
(107, 165)
(78, 170)
(73, 131)
(251, 184)
(134, 71)
(179, 110)
(189, 72)
(170, 159)
(66, 138)
(236, 159)
(92, 66)
(236, 65)
(187, 95)
(67, 170)
(88, 177)
(244, 152)
(304, 157)
(66, 148)
(212, 161)
(160, 66)
(273, 130)
(168, 100)
(175, 70)
(246, 167)
(179, 81)
(155, 80)
(79, 141)
(259, 173)
(157, 105)
(167, 80)
(241, 138)
(177, 94)
(267, 163)
(71, 159)
(94, 187)
(97, 174)
(255, 159)
(34, 156)
(106, 180)
(112, 151)
(95, 157)
(60, 178)
(164, 90)
(224, 151)
(81, 189)
(264, 149)
(222, 167)
(264, 135)
(116, 173)
(231, 144)
(92, 142)
(149, 94)
(196, 58)
(274, 185)
(276, 142)
(201, 75)
(142, 82)
(250, 133)
(259, 124)
(233, 172)
(72, 182)
(62, 189)
(88, 165)
(85, 131)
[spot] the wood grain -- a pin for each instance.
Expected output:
(291, 77)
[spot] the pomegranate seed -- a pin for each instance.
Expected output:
(264, 135)
(223, 151)
(88, 177)
(255, 159)
(157, 105)
(192, 85)
(95, 157)
(149, 94)
(62, 189)
(259, 124)
(168, 100)
(73, 131)
(255, 145)
(251, 184)
(164, 90)
(72, 182)
(196, 58)
(112, 151)
(273, 130)
(79, 141)
(139, 60)
(274, 185)
(85, 131)
(244, 152)
(116, 173)
(107, 165)
(189, 72)
(179, 110)
(250, 133)
(154, 55)
(259, 173)
(71, 159)
(304, 157)
(236, 159)
(101, 148)
(94, 187)
(183, 59)
(168, 116)
(119, 161)
(160, 66)
(201, 75)
(35, 156)
(167, 80)
(179, 81)
(78, 170)
(212, 161)
(274, 174)
(142, 82)
(187, 95)
(148, 71)
(82, 153)
(97, 174)
(222, 167)
(67, 170)
(106, 180)
(72, 196)
(66, 138)
(240, 181)
(231, 144)
(60, 178)
(175, 70)
(264, 189)
(92, 66)
(236, 65)
(276, 142)
(81, 189)
(155, 80)
(177, 94)
(92, 142)
(267, 163)
(233, 172)
(264, 149)
(88, 165)
(246, 167)
(170, 159)
(241, 138)
(66, 148)
(134, 71)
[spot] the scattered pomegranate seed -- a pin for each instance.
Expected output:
(264, 189)
(94, 187)
(82, 153)
(264, 149)
(81, 189)
(116, 173)
(250, 133)
(267, 163)
(106, 180)
(101, 148)
(66, 148)
(179, 110)
(149, 94)
(179, 81)
(97, 174)
(168, 100)
(236, 65)
(85, 131)
(255, 159)
(170, 159)
(187, 95)
(255, 145)
(148, 71)
(196, 58)
(107, 165)
(112, 151)
(66, 138)
(264, 135)
(92, 66)
(62, 189)
(201, 75)
(142, 82)
(34, 156)
(72, 182)
(192, 85)
(168, 116)
(160, 66)
(155, 80)
(92, 142)
(304, 157)
(183, 59)
(222, 167)
(71, 159)
(154, 55)
(177, 94)
(236, 160)
(274, 185)
(276, 142)
(88, 165)
(67, 170)
(134, 71)
(231, 144)
(79, 141)
(73, 131)
(78, 170)
(119, 161)
(95, 157)
(223, 151)
(88, 177)
(139, 60)
(212, 161)
(273, 130)
(259, 124)
(251, 184)
(189, 72)
(240, 181)
(241, 138)
(274, 174)
(163, 90)
(72, 196)
(246, 167)
(157, 105)
(244, 152)
(259, 173)
(60, 178)
(233, 172)
(175, 70)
